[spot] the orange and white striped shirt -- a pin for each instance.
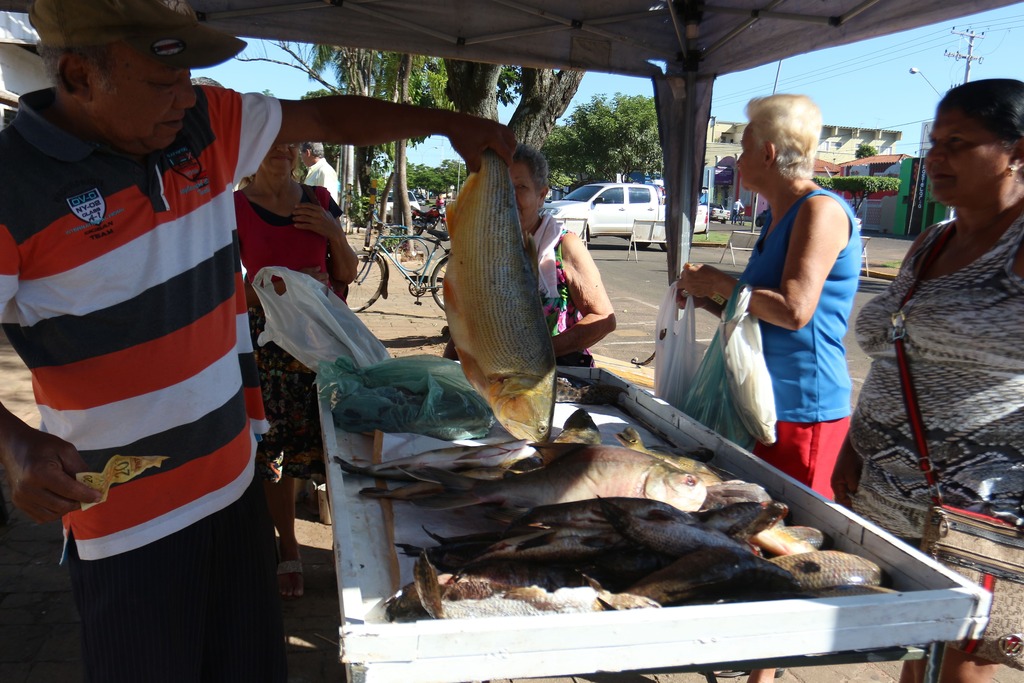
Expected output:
(120, 288)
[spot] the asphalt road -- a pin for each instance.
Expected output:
(636, 288)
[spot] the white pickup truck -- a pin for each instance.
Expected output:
(610, 209)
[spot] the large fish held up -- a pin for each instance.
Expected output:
(493, 305)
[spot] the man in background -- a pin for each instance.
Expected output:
(737, 210)
(320, 172)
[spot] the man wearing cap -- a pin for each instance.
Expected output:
(320, 172)
(120, 288)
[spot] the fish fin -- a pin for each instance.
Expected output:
(449, 480)
(613, 513)
(528, 540)
(407, 492)
(427, 586)
(632, 435)
(553, 450)
(504, 515)
(472, 370)
(580, 419)
(622, 601)
(410, 550)
(454, 210)
(659, 515)
(349, 467)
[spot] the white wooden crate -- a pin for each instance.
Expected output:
(932, 604)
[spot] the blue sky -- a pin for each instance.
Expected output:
(865, 84)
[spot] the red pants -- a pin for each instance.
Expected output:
(806, 451)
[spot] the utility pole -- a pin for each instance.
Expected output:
(969, 57)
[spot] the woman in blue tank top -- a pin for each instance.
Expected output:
(803, 272)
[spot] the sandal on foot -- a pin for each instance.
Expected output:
(293, 568)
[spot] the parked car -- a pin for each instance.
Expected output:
(413, 202)
(609, 209)
(719, 213)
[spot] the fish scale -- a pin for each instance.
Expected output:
(493, 305)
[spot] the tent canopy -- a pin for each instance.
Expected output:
(682, 45)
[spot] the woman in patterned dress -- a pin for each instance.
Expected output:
(283, 223)
(963, 329)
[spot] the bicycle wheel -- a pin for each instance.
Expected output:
(369, 283)
(437, 281)
(411, 253)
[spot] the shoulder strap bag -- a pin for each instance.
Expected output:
(982, 548)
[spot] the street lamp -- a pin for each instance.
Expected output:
(915, 70)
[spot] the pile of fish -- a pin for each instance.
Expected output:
(585, 527)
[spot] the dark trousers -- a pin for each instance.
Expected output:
(199, 605)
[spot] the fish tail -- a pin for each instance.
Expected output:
(429, 590)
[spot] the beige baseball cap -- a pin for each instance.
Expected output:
(166, 30)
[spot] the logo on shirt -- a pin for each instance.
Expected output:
(184, 163)
(89, 206)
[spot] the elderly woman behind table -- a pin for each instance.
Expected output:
(803, 272)
(963, 327)
(578, 310)
(576, 305)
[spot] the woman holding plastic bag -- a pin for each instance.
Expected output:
(283, 223)
(802, 276)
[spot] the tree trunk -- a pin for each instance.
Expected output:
(401, 193)
(546, 95)
(473, 87)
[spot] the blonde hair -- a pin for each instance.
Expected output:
(793, 124)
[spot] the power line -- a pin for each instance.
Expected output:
(828, 72)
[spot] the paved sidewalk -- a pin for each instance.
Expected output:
(39, 640)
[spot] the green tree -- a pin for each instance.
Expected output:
(606, 137)
(426, 177)
(865, 150)
(859, 186)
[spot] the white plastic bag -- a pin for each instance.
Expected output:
(676, 356)
(750, 385)
(311, 323)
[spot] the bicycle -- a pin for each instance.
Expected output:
(422, 259)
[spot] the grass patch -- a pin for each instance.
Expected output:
(895, 265)
(712, 237)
